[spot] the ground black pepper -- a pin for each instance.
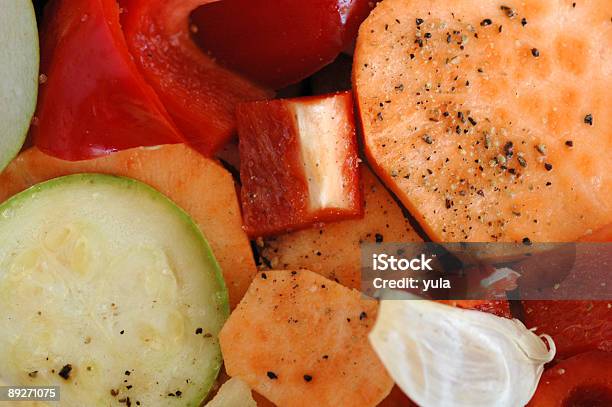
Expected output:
(65, 372)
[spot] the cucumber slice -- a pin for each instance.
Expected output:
(18, 75)
(110, 291)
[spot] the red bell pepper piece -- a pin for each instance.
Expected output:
(200, 95)
(298, 163)
(93, 100)
(501, 308)
(278, 42)
(583, 380)
(575, 326)
(397, 398)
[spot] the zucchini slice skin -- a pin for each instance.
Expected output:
(110, 291)
(19, 68)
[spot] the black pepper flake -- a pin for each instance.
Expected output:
(523, 21)
(548, 166)
(363, 316)
(380, 116)
(508, 10)
(486, 22)
(127, 373)
(419, 21)
(569, 143)
(521, 161)
(114, 392)
(480, 192)
(588, 119)
(472, 121)
(526, 241)
(400, 87)
(33, 374)
(378, 237)
(264, 276)
(427, 138)
(65, 372)
(272, 375)
(509, 149)
(122, 332)
(325, 357)
(307, 378)
(448, 203)
(427, 35)
(178, 393)
(535, 52)
(199, 331)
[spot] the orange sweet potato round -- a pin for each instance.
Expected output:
(490, 123)
(300, 339)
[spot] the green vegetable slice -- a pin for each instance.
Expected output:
(18, 74)
(110, 291)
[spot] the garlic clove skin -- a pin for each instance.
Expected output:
(450, 357)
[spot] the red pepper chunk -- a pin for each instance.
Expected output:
(501, 308)
(581, 381)
(200, 95)
(92, 98)
(575, 326)
(278, 42)
(298, 163)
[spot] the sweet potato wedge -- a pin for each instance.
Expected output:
(183, 175)
(300, 339)
(333, 249)
(298, 163)
(490, 121)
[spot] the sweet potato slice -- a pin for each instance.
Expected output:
(490, 122)
(300, 339)
(298, 163)
(183, 175)
(333, 249)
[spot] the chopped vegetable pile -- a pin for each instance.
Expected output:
(188, 189)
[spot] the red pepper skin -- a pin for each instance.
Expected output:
(200, 95)
(275, 192)
(278, 42)
(575, 326)
(397, 398)
(501, 308)
(94, 100)
(581, 381)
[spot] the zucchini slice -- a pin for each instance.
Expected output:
(110, 291)
(19, 64)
